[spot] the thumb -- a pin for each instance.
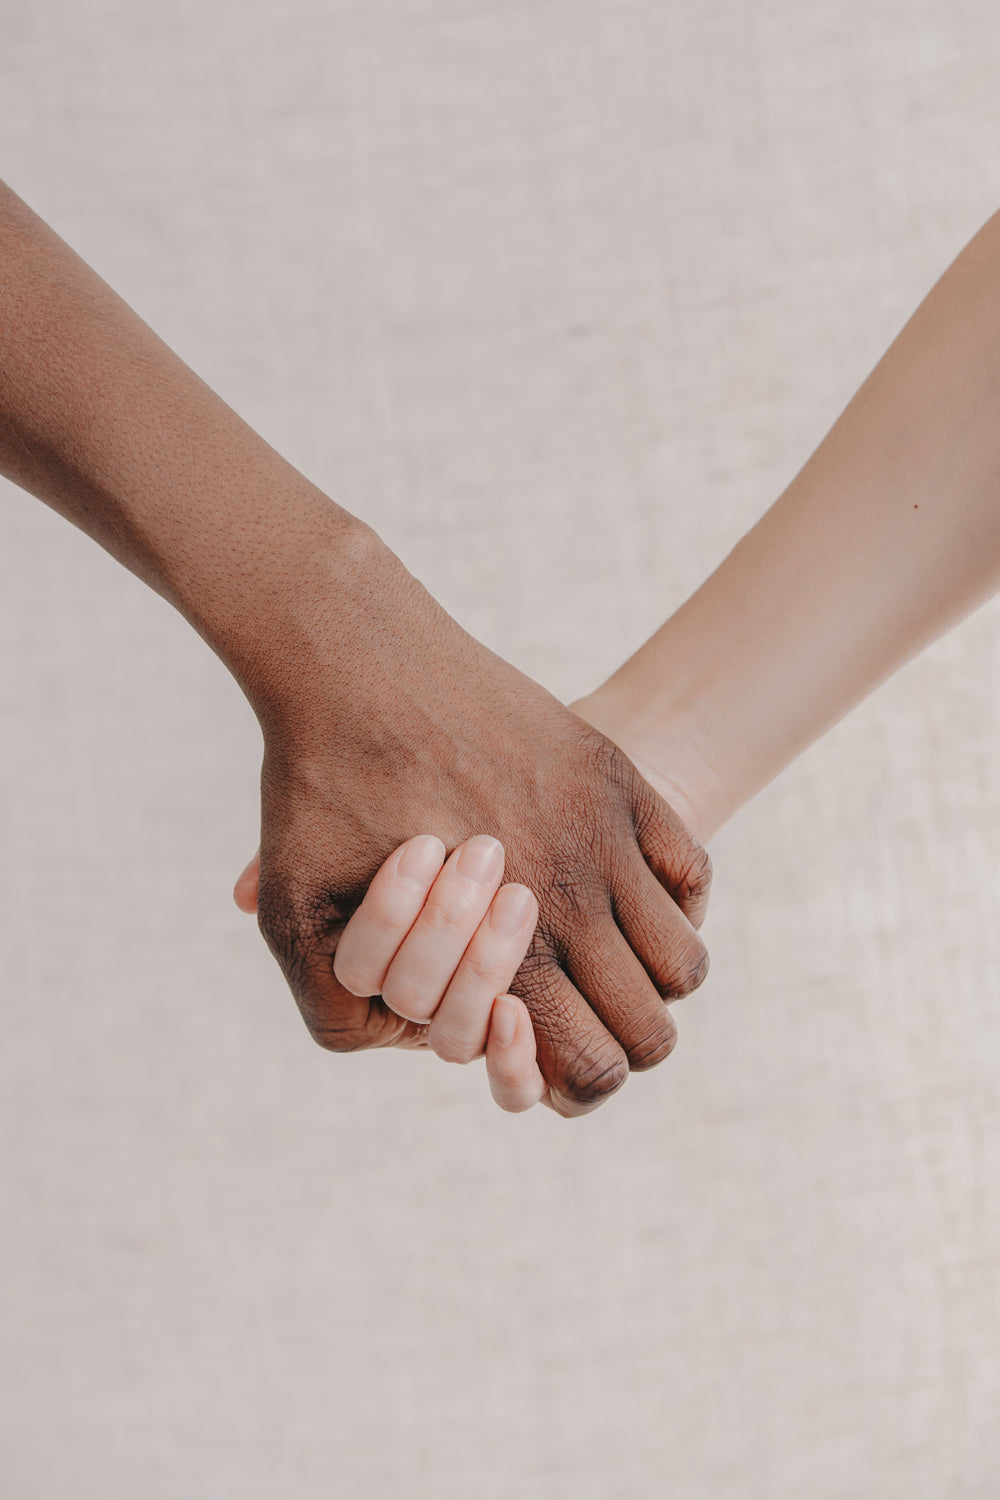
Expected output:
(247, 887)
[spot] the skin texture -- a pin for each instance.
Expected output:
(451, 946)
(380, 716)
(404, 750)
(439, 949)
(454, 946)
(888, 536)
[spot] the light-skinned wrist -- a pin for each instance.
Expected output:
(663, 742)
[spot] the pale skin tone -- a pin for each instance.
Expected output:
(443, 947)
(889, 535)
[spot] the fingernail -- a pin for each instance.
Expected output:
(480, 860)
(504, 1022)
(421, 859)
(510, 909)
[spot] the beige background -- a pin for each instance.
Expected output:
(558, 294)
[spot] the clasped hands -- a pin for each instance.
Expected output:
(385, 943)
(383, 721)
(438, 940)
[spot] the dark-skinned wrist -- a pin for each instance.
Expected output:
(300, 611)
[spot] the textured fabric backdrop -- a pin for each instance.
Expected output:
(558, 295)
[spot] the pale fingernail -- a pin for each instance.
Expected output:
(504, 1022)
(511, 907)
(480, 859)
(421, 859)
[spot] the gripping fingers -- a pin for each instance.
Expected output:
(432, 950)
(675, 857)
(459, 1028)
(391, 905)
(515, 1080)
(660, 934)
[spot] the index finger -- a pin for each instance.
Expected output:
(391, 905)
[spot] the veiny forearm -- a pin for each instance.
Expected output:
(888, 536)
(103, 422)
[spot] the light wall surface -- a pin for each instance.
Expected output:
(559, 296)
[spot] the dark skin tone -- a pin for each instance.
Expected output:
(381, 717)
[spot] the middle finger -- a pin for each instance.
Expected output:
(432, 950)
(461, 1022)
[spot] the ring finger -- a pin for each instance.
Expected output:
(422, 969)
(461, 1022)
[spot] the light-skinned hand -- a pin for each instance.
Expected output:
(440, 940)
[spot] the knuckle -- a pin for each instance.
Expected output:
(695, 879)
(538, 979)
(483, 968)
(453, 916)
(283, 936)
(687, 971)
(375, 1026)
(452, 1048)
(373, 928)
(339, 1039)
(596, 1078)
(406, 999)
(698, 971)
(300, 932)
(568, 893)
(335, 1034)
(652, 1048)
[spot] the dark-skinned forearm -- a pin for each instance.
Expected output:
(103, 422)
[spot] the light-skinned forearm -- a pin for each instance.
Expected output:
(888, 536)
